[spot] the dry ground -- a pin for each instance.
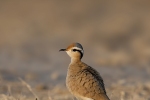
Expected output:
(121, 84)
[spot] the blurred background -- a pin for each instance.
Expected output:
(115, 36)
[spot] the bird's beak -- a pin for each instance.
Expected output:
(62, 50)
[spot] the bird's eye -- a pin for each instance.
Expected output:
(74, 50)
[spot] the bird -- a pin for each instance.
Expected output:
(83, 81)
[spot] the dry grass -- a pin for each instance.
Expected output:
(29, 87)
(115, 92)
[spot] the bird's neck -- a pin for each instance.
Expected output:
(74, 66)
(75, 60)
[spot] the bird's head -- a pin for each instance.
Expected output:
(74, 50)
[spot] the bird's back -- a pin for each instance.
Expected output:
(85, 83)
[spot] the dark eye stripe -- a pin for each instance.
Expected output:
(74, 50)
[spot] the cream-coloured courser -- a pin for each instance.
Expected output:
(84, 82)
